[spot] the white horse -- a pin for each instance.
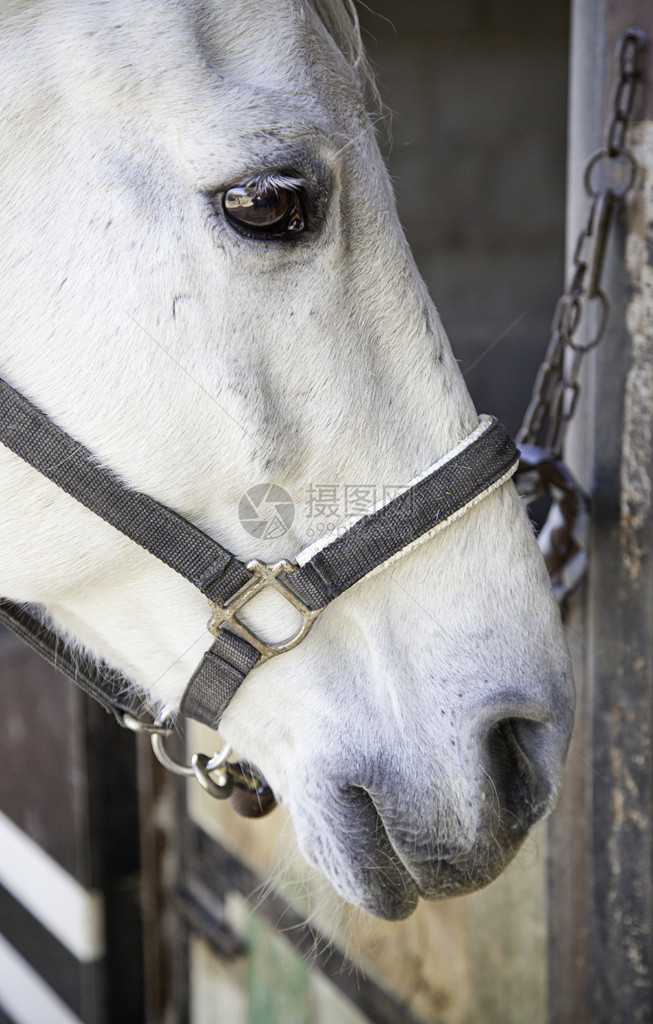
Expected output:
(421, 729)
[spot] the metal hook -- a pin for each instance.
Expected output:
(219, 788)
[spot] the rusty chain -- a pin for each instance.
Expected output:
(556, 389)
(609, 175)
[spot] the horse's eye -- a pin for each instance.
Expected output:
(269, 210)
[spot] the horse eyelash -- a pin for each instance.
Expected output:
(275, 180)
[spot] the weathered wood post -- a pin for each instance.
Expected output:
(601, 952)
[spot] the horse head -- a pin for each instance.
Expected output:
(207, 285)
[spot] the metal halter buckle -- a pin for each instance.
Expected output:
(265, 575)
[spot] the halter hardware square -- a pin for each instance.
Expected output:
(265, 575)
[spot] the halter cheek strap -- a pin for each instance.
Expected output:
(477, 466)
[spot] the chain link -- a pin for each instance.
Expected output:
(556, 389)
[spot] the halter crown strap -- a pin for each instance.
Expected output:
(477, 466)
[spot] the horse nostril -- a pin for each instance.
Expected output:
(523, 788)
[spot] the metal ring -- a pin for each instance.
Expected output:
(143, 728)
(604, 312)
(619, 191)
(164, 728)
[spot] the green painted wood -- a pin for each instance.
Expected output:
(276, 978)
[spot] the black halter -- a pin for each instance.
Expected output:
(477, 466)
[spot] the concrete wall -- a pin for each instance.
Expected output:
(478, 91)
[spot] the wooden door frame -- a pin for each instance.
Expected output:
(600, 895)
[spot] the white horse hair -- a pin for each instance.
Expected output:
(421, 729)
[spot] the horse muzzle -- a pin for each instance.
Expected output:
(386, 834)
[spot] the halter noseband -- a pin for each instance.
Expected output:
(478, 465)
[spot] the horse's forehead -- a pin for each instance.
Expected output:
(166, 46)
(204, 69)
